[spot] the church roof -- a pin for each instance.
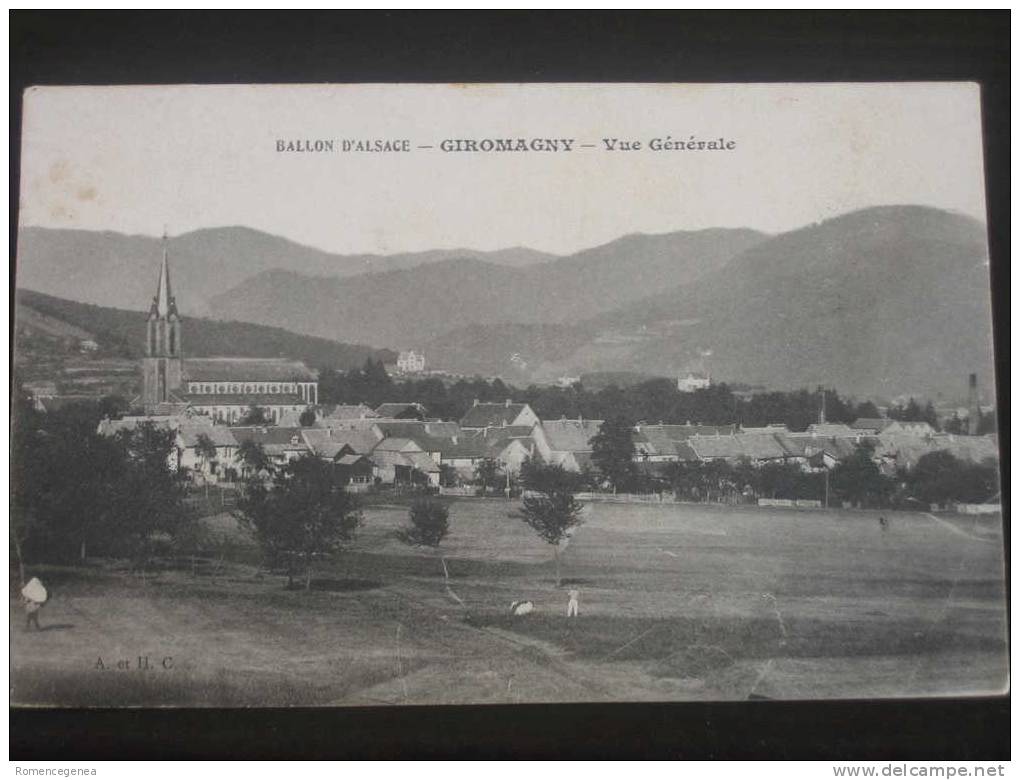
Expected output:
(243, 399)
(230, 369)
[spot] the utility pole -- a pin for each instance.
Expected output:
(826, 485)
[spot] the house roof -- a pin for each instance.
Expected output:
(163, 422)
(422, 462)
(231, 369)
(328, 441)
(754, 446)
(416, 460)
(583, 460)
(410, 429)
(839, 447)
(466, 446)
(765, 429)
(243, 399)
(348, 412)
(394, 410)
(491, 415)
(878, 424)
(681, 432)
(830, 429)
(220, 435)
(570, 435)
(397, 444)
(442, 429)
(271, 436)
(351, 460)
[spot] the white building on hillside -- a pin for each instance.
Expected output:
(410, 362)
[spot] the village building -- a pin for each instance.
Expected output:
(400, 461)
(189, 430)
(693, 380)
(877, 425)
(332, 412)
(566, 443)
(222, 388)
(829, 430)
(410, 362)
(756, 448)
(464, 454)
(498, 415)
(191, 433)
(281, 445)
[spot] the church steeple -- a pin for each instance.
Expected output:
(164, 304)
(163, 364)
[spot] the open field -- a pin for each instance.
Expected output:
(677, 603)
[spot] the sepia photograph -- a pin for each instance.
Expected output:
(458, 394)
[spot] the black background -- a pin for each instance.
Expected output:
(279, 47)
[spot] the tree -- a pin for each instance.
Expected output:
(940, 477)
(613, 452)
(307, 418)
(549, 506)
(147, 509)
(205, 450)
(305, 514)
(430, 523)
(858, 479)
(867, 410)
(253, 458)
(487, 474)
(255, 415)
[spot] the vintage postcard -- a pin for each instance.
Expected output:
(461, 394)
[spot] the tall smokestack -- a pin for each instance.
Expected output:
(821, 409)
(973, 407)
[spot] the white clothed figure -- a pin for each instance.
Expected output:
(572, 597)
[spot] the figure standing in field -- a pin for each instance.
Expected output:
(572, 596)
(883, 523)
(33, 596)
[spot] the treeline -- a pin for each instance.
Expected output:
(939, 478)
(654, 401)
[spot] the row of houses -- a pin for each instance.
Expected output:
(397, 443)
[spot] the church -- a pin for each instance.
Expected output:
(223, 388)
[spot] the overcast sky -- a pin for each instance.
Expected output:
(133, 159)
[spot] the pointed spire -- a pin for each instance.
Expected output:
(164, 304)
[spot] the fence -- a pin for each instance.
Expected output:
(977, 509)
(629, 498)
(458, 491)
(797, 502)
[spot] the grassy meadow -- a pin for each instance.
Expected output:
(677, 602)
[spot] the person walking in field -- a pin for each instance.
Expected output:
(33, 596)
(883, 523)
(572, 596)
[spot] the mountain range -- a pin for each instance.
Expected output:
(880, 302)
(113, 269)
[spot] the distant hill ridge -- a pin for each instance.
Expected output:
(880, 302)
(409, 307)
(114, 269)
(124, 331)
